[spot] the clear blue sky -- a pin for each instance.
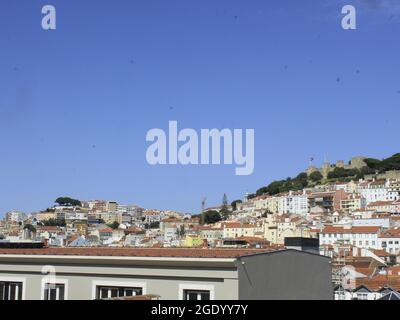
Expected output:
(76, 103)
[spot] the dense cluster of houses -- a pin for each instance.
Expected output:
(357, 224)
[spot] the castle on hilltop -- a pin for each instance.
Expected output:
(354, 163)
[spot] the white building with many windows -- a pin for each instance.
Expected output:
(361, 237)
(374, 191)
(294, 203)
(390, 241)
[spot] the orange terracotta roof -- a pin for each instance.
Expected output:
(137, 252)
(381, 253)
(380, 281)
(391, 233)
(233, 225)
(393, 270)
(331, 229)
(378, 183)
(380, 203)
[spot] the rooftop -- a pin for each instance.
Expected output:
(360, 229)
(137, 252)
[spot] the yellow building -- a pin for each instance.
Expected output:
(193, 241)
(234, 230)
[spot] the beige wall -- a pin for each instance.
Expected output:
(165, 282)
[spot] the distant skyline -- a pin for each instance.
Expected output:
(76, 103)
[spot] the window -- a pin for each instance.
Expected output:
(103, 289)
(196, 295)
(196, 292)
(54, 291)
(362, 296)
(106, 292)
(10, 290)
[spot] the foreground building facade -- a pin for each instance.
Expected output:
(170, 274)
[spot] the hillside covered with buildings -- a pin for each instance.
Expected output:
(353, 210)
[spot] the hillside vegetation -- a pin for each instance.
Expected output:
(303, 180)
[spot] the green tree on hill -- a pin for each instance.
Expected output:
(210, 217)
(316, 176)
(54, 222)
(225, 212)
(114, 225)
(251, 196)
(30, 227)
(235, 203)
(391, 163)
(302, 180)
(66, 201)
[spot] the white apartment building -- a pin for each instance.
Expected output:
(384, 206)
(212, 235)
(132, 210)
(15, 216)
(76, 216)
(372, 222)
(153, 216)
(390, 241)
(291, 202)
(394, 190)
(374, 191)
(361, 237)
(349, 187)
(294, 203)
(170, 233)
